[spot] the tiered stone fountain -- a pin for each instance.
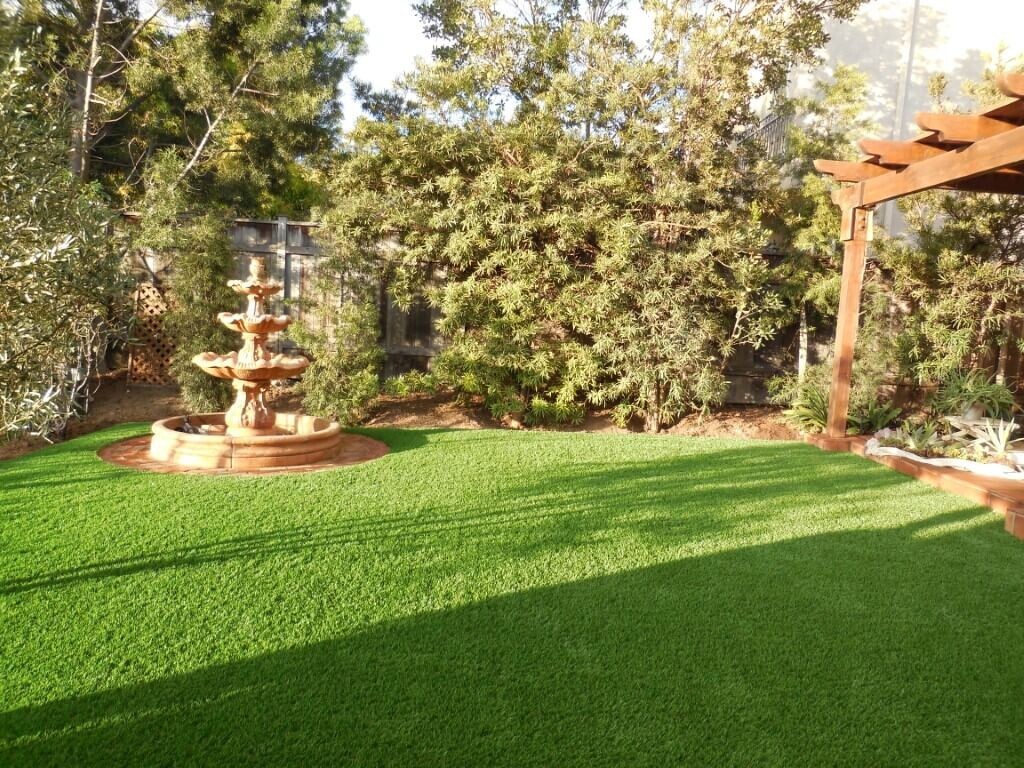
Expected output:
(250, 435)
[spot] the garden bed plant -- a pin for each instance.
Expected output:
(969, 426)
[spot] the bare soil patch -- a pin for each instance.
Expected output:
(114, 403)
(435, 410)
(755, 422)
(752, 422)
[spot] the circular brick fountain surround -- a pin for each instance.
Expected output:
(298, 440)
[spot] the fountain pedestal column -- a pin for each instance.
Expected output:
(250, 414)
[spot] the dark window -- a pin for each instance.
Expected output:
(419, 326)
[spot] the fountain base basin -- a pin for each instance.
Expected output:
(296, 440)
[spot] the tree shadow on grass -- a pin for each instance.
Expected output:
(670, 499)
(848, 648)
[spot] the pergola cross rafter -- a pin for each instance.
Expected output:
(965, 153)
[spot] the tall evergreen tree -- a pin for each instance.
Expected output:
(193, 113)
(596, 220)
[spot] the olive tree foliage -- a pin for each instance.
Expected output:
(192, 113)
(62, 283)
(597, 221)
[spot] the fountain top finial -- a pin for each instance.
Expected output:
(258, 269)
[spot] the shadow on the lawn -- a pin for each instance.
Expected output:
(668, 499)
(863, 647)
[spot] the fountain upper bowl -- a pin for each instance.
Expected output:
(263, 324)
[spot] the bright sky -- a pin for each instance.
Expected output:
(394, 39)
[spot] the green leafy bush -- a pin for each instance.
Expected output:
(412, 383)
(543, 411)
(198, 292)
(809, 410)
(807, 399)
(344, 376)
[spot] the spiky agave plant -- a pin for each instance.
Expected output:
(994, 438)
(921, 438)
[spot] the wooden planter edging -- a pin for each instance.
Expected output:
(1003, 496)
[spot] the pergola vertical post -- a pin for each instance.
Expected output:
(856, 234)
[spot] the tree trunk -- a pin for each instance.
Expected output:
(801, 355)
(652, 416)
(84, 84)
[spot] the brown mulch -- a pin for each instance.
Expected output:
(116, 403)
(752, 422)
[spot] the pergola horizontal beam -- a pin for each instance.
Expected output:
(898, 153)
(984, 157)
(961, 129)
(1011, 83)
(845, 171)
(1002, 183)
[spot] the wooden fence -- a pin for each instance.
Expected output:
(150, 355)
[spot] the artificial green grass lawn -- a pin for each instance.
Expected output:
(499, 598)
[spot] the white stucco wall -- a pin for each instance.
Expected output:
(952, 37)
(891, 39)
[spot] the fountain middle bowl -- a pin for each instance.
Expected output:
(227, 366)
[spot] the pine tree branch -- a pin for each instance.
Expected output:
(212, 125)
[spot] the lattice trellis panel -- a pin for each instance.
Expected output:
(152, 350)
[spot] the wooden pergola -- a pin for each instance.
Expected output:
(965, 153)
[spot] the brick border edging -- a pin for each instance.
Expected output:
(1003, 496)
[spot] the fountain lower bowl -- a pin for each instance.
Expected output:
(299, 440)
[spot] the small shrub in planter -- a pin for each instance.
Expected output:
(923, 437)
(989, 440)
(809, 410)
(873, 416)
(808, 402)
(972, 395)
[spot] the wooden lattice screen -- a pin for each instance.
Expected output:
(151, 350)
